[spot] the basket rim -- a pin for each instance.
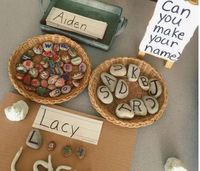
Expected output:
(50, 100)
(118, 121)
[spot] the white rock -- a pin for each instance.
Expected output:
(34, 139)
(109, 80)
(144, 82)
(155, 88)
(118, 70)
(174, 164)
(122, 89)
(151, 104)
(104, 94)
(17, 111)
(133, 72)
(124, 111)
(138, 107)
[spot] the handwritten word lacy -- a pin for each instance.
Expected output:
(56, 125)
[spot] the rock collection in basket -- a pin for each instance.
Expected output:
(50, 69)
(114, 83)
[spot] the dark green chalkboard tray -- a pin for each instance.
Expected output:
(91, 9)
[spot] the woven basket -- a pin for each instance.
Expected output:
(108, 111)
(30, 43)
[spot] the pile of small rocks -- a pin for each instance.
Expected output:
(114, 83)
(50, 69)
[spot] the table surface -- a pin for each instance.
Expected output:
(175, 134)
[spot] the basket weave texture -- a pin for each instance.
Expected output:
(30, 43)
(108, 111)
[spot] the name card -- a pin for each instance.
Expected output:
(76, 23)
(68, 124)
(170, 29)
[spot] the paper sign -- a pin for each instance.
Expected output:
(68, 124)
(170, 29)
(76, 23)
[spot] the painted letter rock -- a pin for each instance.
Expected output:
(151, 104)
(109, 80)
(104, 94)
(64, 47)
(118, 70)
(55, 93)
(78, 76)
(82, 67)
(38, 49)
(133, 72)
(53, 79)
(121, 90)
(124, 111)
(144, 83)
(138, 107)
(66, 89)
(76, 60)
(47, 46)
(34, 139)
(60, 82)
(155, 88)
(72, 52)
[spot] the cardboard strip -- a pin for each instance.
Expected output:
(113, 152)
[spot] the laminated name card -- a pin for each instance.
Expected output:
(170, 29)
(68, 124)
(76, 23)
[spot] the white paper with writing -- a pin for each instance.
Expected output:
(170, 29)
(76, 23)
(68, 124)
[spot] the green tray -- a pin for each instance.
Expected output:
(110, 14)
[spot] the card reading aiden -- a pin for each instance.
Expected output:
(170, 29)
(69, 21)
(68, 124)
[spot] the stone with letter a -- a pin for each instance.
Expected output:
(109, 80)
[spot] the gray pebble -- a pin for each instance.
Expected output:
(34, 139)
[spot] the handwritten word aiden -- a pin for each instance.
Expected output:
(56, 125)
(70, 21)
(166, 32)
(73, 22)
